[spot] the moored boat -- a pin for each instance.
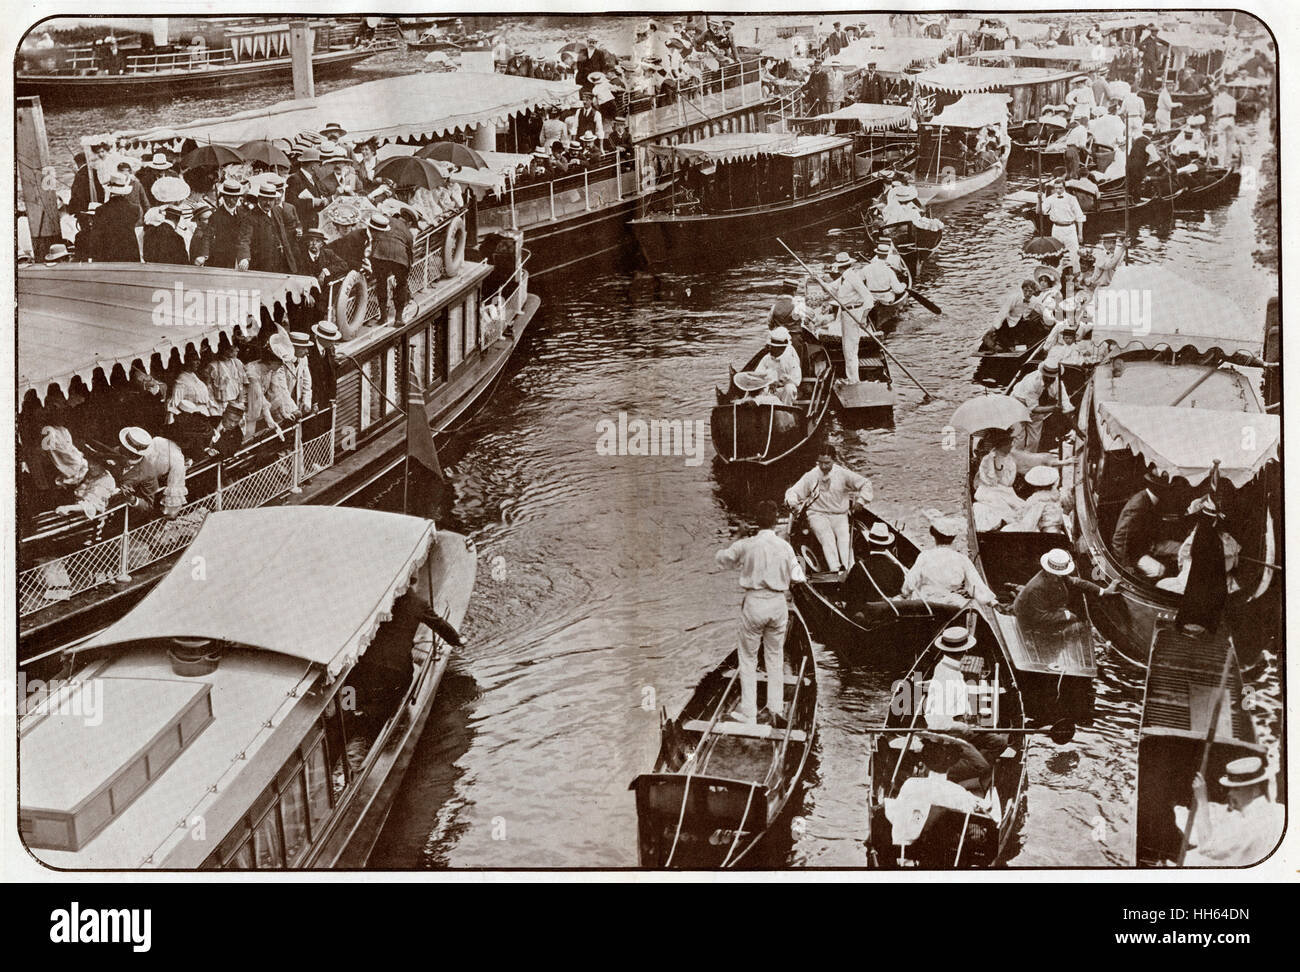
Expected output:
(738, 189)
(1195, 720)
(718, 787)
(747, 433)
(1177, 411)
(861, 612)
(949, 166)
(271, 709)
(917, 814)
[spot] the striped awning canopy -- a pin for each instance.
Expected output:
(960, 78)
(734, 146)
(77, 318)
(871, 117)
(412, 106)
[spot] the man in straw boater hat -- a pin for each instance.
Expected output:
(942, 574)
(152, 461)
(1244, 832)
(226, 241)
(1067, 219)
(1043, 604)
(1206, 562)
(767, 565)
(781, 365)
(828, 493)
(1043, 393)
(322, 361)
(854, 303)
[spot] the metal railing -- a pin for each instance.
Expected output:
(542, 202)
(195, 60)
(113, 559)
(728, 77)
(499, 308)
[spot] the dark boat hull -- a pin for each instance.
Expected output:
(721, 237)
(717, 817)
(762, 435)
(103, 88)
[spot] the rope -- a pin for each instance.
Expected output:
(740, 827)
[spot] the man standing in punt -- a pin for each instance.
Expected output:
(1250, 828)
(830, 491)
(767, 565)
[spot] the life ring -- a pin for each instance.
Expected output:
(350, 304)
(453, 247)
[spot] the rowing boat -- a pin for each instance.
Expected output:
(861, 611)
(1055, 669)
(746, 433)
(1193, 702)
(718, 787)
(914, 819)
(913, 243)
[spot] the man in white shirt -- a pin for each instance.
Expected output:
(1044, 395)
(781, 364)
(1108, 129)
(943, 575)
(882, 277)
(830, 493)
(1067, 220)
(1188, 146)
(767, 565)
(1243, 834)
(1080, 97)
(1223, 109)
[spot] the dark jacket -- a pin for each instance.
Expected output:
(227, 239)
(351, 248)
(308, 208)
(162, 244)
(1135, 530)
(393, 245)
(324, 368)
(115, 238)
(1041, 603)
(272, 246)
(82, 194)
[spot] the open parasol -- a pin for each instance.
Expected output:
(1041, 246)
(210, 156)
(989, 412)
(407, 170)
(454, 153)
(261, 150)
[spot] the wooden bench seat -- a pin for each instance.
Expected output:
(749, 732)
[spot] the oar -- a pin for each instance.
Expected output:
(920, 298)
(1056, 727)
(830, 293)
(1211, 733)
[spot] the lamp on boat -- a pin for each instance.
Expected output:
(190, 657)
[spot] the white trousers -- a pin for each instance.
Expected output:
(832, 531)
(763, 618)
(1068, 235)
(850, 335)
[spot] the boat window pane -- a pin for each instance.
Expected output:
(318, 787)
(391, 393)
(418, 345)
(471, 322)
(293, 817)
(268, 848)
(242, 858)
(371, 383)
(455, 328)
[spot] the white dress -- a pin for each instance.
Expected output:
(993, 486)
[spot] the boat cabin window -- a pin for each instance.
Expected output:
(417, 353)
(437, 349)
(471, 322)
(379, 386)
(455, 336)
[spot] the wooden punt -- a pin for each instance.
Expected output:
(860, 612)
(1056, 670)
(717, 787)
(751, 434)
(1194, 720)
(938, 836)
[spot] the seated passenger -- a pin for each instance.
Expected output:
(944, 575)
(1135, 541)
(90, 482)
(996, 476)
(1043, 512)
(1043, 603)
(191, 409)
(781, 365)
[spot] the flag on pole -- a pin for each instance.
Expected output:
(422, 454)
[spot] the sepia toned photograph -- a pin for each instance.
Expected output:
(760, 441)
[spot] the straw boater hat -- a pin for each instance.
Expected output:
(267, 191)
(326, 332)
(231, 187)
(843, 260)
(135, 439)
(778, 337)
(378, 222)
(945, 526)
(905, 194)
(1042, 476)
(1050, 369)
(1079, 79)
(1057, 562)
(955, 641)
(300, 340)
(588, 137)
(596, 77)
(1246, 771)
(333, 131)
(883, 249)
(880, 534)
(119, 187)
(57, 254)
(159, 161)
(751, 381)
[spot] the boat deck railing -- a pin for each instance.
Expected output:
(544, 202)
(262, 472)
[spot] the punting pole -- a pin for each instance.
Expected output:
(892, 357)
(1210, 735)
(1128, 190)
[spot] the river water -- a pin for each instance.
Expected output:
(598, 601)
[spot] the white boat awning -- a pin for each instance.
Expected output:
(79, 317)
(871, 117)
(734, 146)
(1188, 442)
(322, 581)
(973, 111)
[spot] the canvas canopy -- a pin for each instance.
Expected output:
(1188, 442)
(1148, 306)
(973, 111)
(960, 77)
(425, 105)
(1074, 53)
(79, 317)
(312, 582)
(871, 117)
(734, 146)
